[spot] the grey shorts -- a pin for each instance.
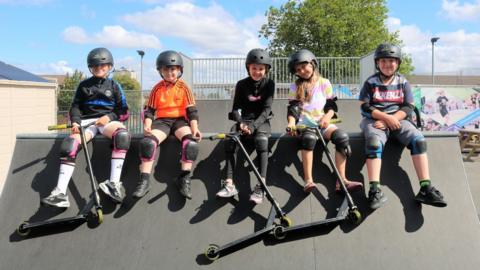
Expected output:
(404, 135)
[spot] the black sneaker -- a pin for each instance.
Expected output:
(142, 188)
(430, 196)
(183, 183)
(376, 198)
(56, 199)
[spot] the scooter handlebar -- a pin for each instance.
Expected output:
(218, 136)
(65, 126)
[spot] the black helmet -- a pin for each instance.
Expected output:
(301, 56)
(258, 56)
(99, 56)
(386, 50)
(169, 58)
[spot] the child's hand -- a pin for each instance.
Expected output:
(324, 121)
(392, 122)
(244, 129)
(102, 121)
(291, 129)
(380, 125)
(196, 134)
(75, 128)
(147, 130)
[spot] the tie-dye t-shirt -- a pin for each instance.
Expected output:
(312, 111)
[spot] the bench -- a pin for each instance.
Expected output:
(469, 141)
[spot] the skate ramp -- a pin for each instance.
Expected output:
(163, 231)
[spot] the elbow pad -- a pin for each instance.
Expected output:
(367, 109)
(294, 109)
(407, 108)
(192, 113)
(235, 116)
(331, 105)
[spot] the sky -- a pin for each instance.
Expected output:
(55, 36)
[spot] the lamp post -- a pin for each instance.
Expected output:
(141, 53)
(433, 40)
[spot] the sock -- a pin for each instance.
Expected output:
(425, 184)
(66, 172)
(374, 185)
(184, 173)
(116, 169)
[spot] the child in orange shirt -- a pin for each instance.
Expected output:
(170, 110)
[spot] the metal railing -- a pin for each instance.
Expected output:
(215, 79)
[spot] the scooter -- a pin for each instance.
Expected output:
(214, 251)
(347, 211)
(94, 203)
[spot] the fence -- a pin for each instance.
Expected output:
(215, 79)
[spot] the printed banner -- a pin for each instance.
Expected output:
(448, 108)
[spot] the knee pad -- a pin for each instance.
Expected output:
(148, 147)
(121, 142)
(418, 145)
(189, 149)
(308, 141)
(261, 143)
(342, 144)
(69, 149)
(373, 147)
(230, 145)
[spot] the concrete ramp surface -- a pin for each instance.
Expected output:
(163, 231)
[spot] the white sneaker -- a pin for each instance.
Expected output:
(114, 190)
(56, 199)
(228, 190)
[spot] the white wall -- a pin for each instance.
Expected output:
(25, 107)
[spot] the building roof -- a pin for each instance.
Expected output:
(9, 72)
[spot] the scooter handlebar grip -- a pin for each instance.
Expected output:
(217, 136)
(57, 127)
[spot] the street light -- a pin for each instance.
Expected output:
(433, 40)
(141, 53)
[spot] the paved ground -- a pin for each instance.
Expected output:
(163, 231)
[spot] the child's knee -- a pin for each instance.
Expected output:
(373, 147)
(418, 145)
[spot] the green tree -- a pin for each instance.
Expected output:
(335, 28)
(127, 82)
(67, 90)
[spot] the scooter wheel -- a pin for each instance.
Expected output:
(21, 230)
(212, 252)
(279, 232)
(355, 216)
(99, 216)
(286, 221)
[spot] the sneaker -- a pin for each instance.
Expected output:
(184, 187)
(114, 190)
(376, 198)
(350, 185)
(142, 188)
(430, 196)
(257, 195)
(56, 199)
(228, 190)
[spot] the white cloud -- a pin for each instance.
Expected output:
(115, 36)
(454, 52)
(210, 30)
(461, 12)
(60, 67)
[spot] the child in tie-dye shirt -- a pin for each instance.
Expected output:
(312, 104)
